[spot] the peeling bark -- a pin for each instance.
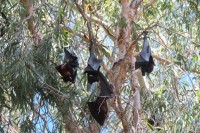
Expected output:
(120, 67)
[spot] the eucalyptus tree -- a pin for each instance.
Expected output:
(33, 34)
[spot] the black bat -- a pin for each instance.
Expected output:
(68, 70)
(105, 87)
(71, 58)
(93, 67)
(152, 121)
(145, 61)
(99, 109)
(92, 75)
(151, 65)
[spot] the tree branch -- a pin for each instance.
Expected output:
(31, 25)
(89, 25)
(135, 4)
(169, 62)
(151, 2)
(105, 27)
(63, 27)
(81, 35)
(178, 33)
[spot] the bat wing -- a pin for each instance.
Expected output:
(145, 61)
(140, 62)
(146, 50)
(105, 87)
(71, 58)
(93, 61)
(150, 66)
(151, 60)
(99, 110)
(59, 68)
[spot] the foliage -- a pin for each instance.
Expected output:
(33, 96)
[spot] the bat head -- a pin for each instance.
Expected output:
(92, 75)
(146, 67)
(93, 67)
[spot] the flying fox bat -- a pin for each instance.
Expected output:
(68, 70)
(153, 122)
(93, 67)
(145, 61)
(105, 87)
(99, 109)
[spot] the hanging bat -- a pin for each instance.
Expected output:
(145, 61)
(93, 67)
(68, 70)
(105, 87)
(99, 109)
(153, 122)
